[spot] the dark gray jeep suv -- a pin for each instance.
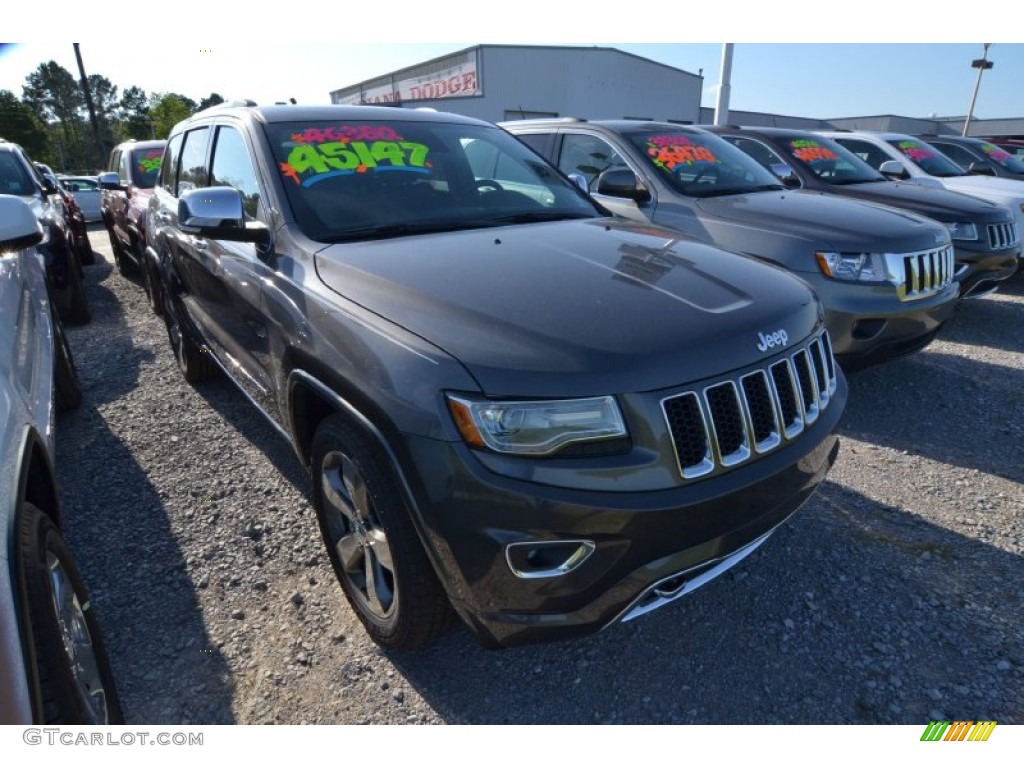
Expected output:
(511, 403)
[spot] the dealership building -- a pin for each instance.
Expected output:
(512, 82)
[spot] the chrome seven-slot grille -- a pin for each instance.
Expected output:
(733, 421)
(1002, 235)
(924, 273)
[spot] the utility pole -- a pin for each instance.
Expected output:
(724, 86)
(89, 106)
(981, 65)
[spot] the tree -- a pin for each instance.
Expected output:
(167, 110)
(136, 122)
(209, 101)
(18, 123)
(56, 97)
(106, 104)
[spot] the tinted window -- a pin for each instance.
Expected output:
(927, 158)
(538, 142)
(168, 176)
(763, 154)
(348, 181)
(232, 167)
(192, 172)
(115, 160)
(146, 166)
(866, 151)
(959, 155)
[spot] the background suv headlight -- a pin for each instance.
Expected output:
(535, 427)
(867, 267)
(962, 230)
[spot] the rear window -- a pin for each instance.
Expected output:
(146, 166)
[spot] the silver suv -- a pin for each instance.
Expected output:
(53, 668)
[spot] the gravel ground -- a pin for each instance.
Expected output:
(896, 595)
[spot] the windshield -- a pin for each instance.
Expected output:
(828, 161)
(147, 166)
(701, 164)
(1004, 158)
(378, 178)
(928, 158)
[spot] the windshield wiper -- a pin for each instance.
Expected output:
(528, 217)
(406, 228)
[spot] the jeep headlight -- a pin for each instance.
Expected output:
(962, 230)
(867, 267)
(535, 427)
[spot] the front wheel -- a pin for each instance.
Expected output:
(67, 389)
(75, 680)
(373, 546)
(194, 362)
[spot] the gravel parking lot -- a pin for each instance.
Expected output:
(895, 596)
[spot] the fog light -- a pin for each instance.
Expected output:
(546, 559)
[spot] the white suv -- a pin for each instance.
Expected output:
(906, 158)
(53, 669)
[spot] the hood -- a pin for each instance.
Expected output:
(986, 185)
(575, 308)
(939, 204)
(829, 221)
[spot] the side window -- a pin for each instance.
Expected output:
(123, 168)
(169, 166)
(588, 156)
(866, 151)
(192, 173)
(115, 158)
(538, 142)
(958, 154)
(761, 153)
(232, 167)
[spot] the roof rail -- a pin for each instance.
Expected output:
(228, 104)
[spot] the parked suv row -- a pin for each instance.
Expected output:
(20, 177)
(513, 406)
(986, 242)
(885, 277)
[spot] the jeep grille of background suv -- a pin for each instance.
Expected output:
(729, 422)
(921, 274)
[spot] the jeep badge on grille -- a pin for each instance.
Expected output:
(776, 339)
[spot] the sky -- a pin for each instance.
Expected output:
(821, 80)
(292, 58)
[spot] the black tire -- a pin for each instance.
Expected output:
(123, 264)
(195, 363)
(77, 304)
(67, 389)
(380, 562)
(86, 255)
(75, 680)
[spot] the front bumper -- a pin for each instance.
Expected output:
(981, 272)
(669, 539)
(869, 324)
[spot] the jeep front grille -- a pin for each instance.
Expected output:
(730, 422)
(922, 274)
(1002, 236)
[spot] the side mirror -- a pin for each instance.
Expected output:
(622, 182)
(980, 168)
(18, 225)
(49, 185)
(893, 169)
(216, 212)
(786, 175)
(112, 181)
